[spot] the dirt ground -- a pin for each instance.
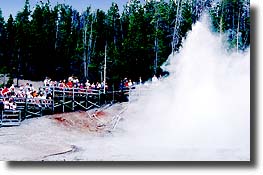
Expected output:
(43, 138)
(92, 121)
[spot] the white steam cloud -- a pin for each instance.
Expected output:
(200, 112)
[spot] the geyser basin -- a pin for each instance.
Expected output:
(200, 112)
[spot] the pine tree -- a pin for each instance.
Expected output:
(11, 46)
(59, 41)
(3, 60)
(114, 43)
(233, 19)
(23, 41)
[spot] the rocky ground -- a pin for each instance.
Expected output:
(43, 138)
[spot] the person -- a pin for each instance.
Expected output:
(70, 78)
(42, 96)
(98, 85)
(12, 92)
(87, 84)
(5, 91)
(130, 83)
(46, 81)
(69, 84)
(81, 86)
(6, 104)
(125, 82)
(75, 81)
(61, 85)
(27, 88)
(93, 86)
(154, 79)
(34, 94)
(12, 104)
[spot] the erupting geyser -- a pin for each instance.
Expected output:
(202, 110)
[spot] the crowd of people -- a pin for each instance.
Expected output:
(73, 82)
(125, 84)
(9, 94)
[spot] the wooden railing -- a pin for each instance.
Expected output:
(10, 118)
(62, 100)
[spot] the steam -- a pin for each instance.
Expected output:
(200, 112)
(202, 108)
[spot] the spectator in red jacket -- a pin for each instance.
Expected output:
(69, 84)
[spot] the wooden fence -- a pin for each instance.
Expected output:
(62, 100)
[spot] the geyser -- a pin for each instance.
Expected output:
(201, 111)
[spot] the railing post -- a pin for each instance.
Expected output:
(20, 119)
(1, 117)
(63, 100)
(53, 100)
(26, 107)
(140, 89)
(105, 97)
(73, 99)
(87, 96)
(41, 110)
(112, 93)
(99, 97)
(129, 94)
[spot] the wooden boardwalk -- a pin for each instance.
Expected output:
(10, 118)
(62, 100)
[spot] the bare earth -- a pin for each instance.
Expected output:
(43, 138)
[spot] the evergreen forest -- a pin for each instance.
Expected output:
(58, 41)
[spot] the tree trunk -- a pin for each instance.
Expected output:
(85, 52)
(238, 21)
(105, 69)
(156, 49)
(90, 46)
(176, 26)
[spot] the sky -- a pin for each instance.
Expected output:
(13, 6)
